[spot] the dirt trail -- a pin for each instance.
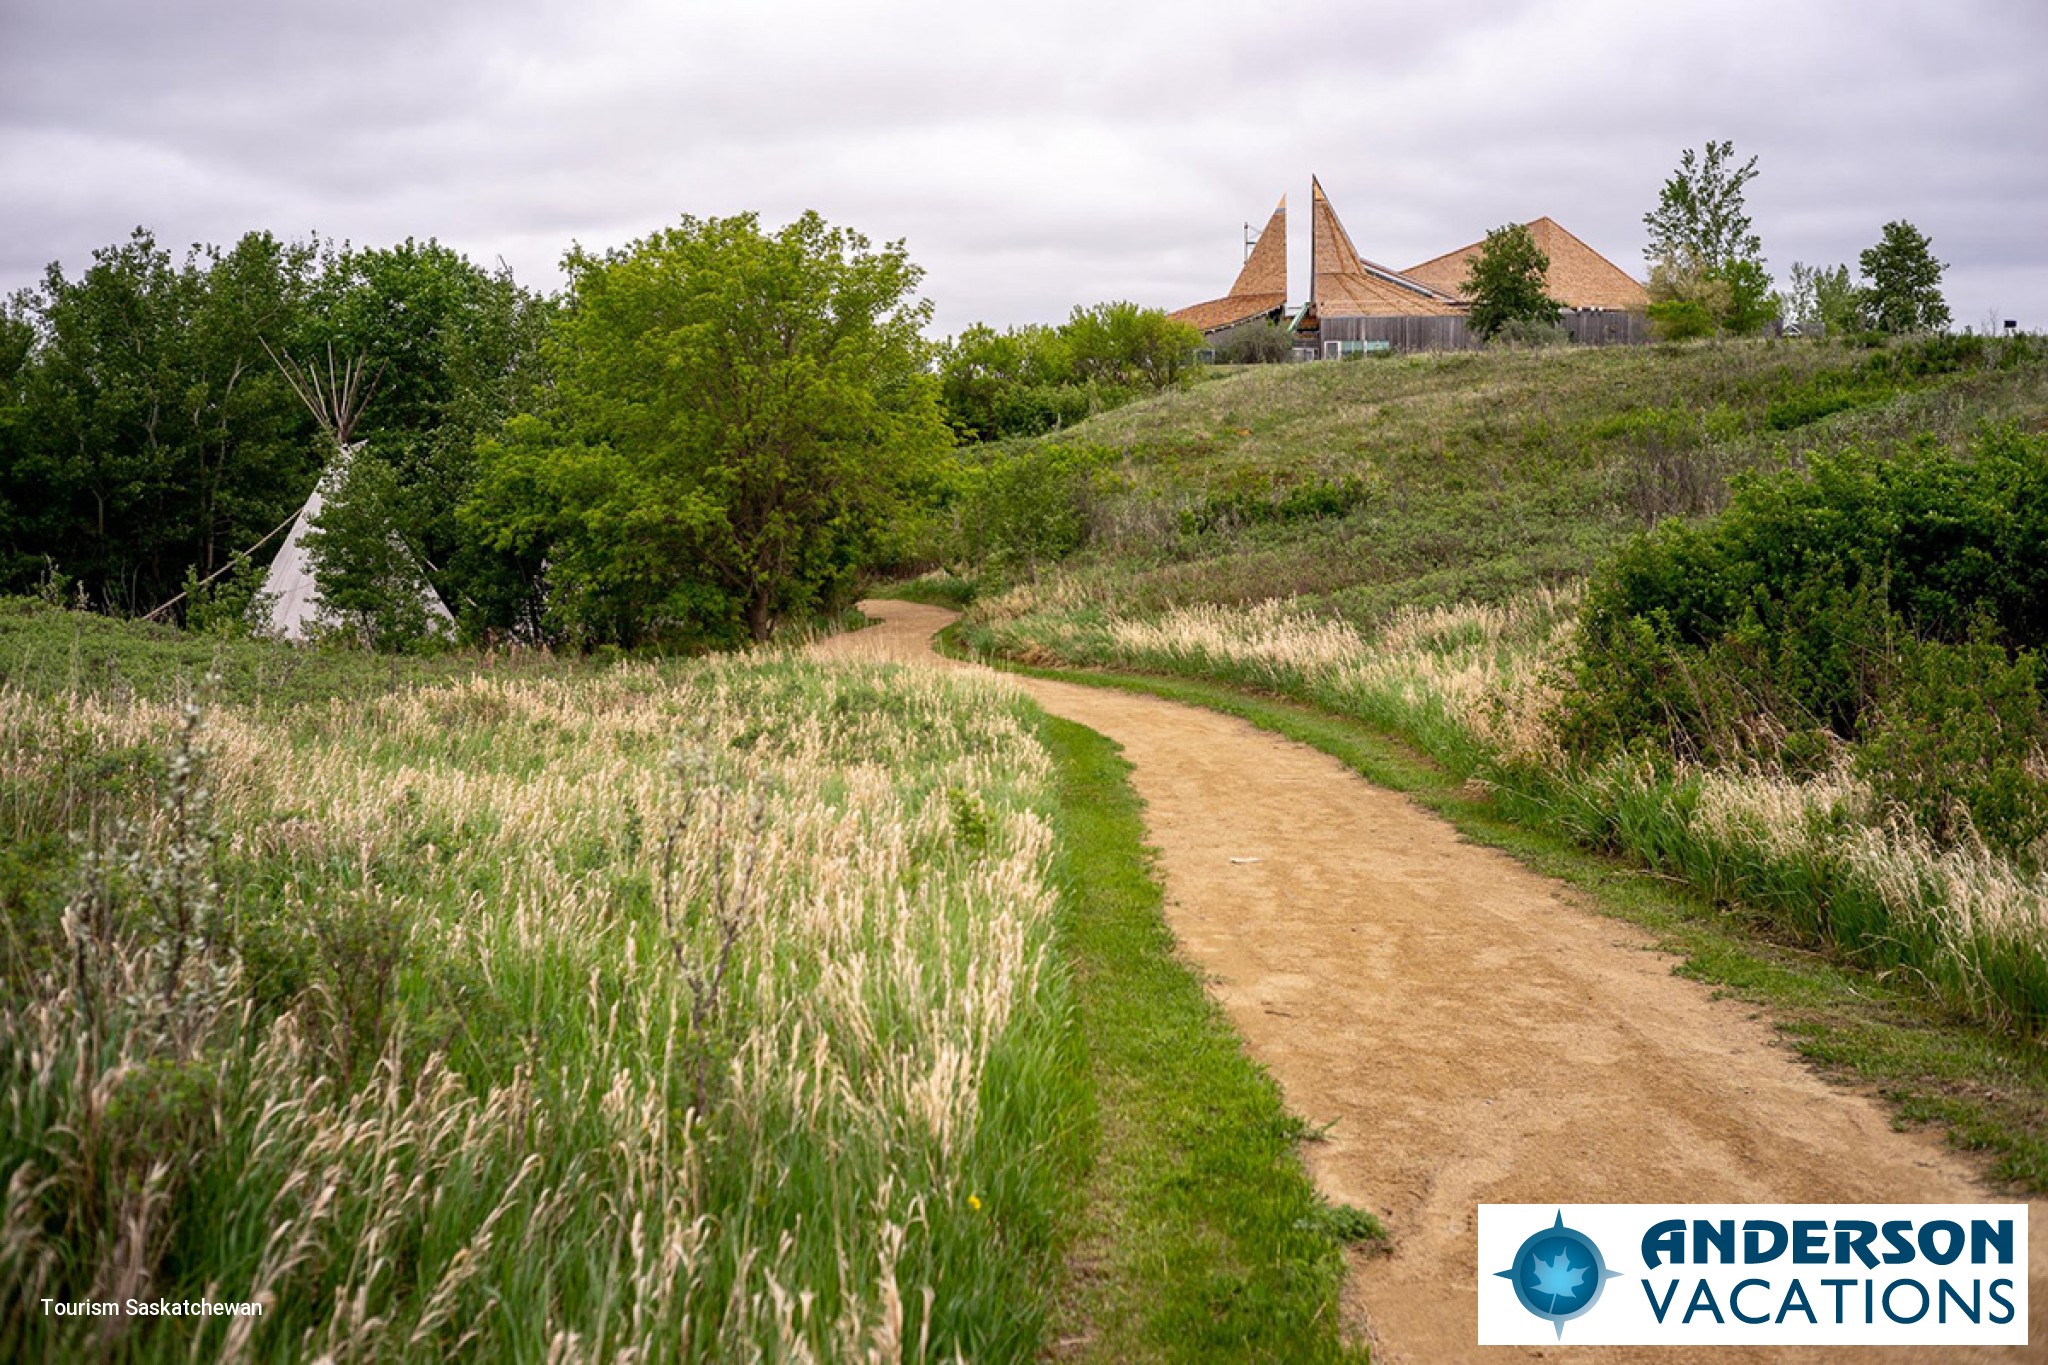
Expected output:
(1476, 1033)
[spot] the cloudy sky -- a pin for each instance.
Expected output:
(1033, 155)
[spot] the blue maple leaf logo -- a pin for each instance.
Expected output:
(1557, 1277)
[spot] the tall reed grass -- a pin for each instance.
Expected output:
(688, 1013)
(1474, 687)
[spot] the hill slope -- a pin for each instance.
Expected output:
(1419, 481)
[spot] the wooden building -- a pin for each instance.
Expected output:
(1260, 291)
(1356, 304)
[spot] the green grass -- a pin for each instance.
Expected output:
(397, 1010)
(1480, 474)
(1201, 1236)
(47, 650)
(1129, 1184)
(1987, 1090)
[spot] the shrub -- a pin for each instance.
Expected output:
(1681, 320)
(1958, 745)
(1025, 508)
(1530, 333)
(1787, 614)
(1256, 343)
(1255, 497)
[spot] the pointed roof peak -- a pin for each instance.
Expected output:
(1578, 277)
(1265, 270)
(1261, 285)
(1347, 283)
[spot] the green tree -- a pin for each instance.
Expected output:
(1702, 248)
(1029, 380)
(1018, 382)
(456, 351)
(1121, 343)
(1821, 299)
(1507, 282)
(734, 417)
(372, 591)
(1700, 222)
(148, 433)
(1904, 290)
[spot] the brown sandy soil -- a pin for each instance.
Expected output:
(1474, 1032)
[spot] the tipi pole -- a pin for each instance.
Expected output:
(223, 568)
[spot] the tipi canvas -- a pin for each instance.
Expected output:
(291, 588)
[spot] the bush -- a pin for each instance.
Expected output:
(1031, 380)
(372, 591)
(1791, 612)
(1255, 497)
(1529, 333)
(1681, 320)
(1256, 343)
(1958, 745)
(1025, 508)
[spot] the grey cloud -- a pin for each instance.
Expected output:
(1033, 156)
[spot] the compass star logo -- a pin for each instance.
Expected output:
(1558, 1274)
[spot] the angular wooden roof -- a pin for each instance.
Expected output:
(1579, 277)
(1217, 314)
(1348, 285)
(1261, 285)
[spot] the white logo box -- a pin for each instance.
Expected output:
(1986, 1269)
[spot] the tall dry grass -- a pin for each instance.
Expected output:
(1474, 686)
(662, 1014)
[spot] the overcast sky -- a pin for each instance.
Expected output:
(1034, 155)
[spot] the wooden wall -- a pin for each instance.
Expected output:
(1589, 328)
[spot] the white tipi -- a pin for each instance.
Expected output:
(337, 404)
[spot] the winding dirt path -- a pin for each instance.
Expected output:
(1476, 1034)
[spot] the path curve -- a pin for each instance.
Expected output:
(1476, 1033)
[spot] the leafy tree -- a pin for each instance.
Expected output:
(1034, 379)
(1507, 281)
(1702, 248)
(1121, 343)
(1700, 222)
(371, 589)
(1008, 383)
(734, 417)
(456, 351)
(1822, 298)
(1752, 303)
(1904, 293)
(148, 433)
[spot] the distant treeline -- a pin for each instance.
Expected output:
(706, 432)
(147, 433)
(1030, 380)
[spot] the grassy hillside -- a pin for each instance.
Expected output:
(1369, 486)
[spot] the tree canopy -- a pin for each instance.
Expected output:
(1507, 282)
(1822, 299)
(733, 416)
(147, 436)
(1033, 379)
(1706, 260)
(1904, 289)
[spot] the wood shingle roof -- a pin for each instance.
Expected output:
(1348, 285)
(1260, 288)
(1579, 277)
